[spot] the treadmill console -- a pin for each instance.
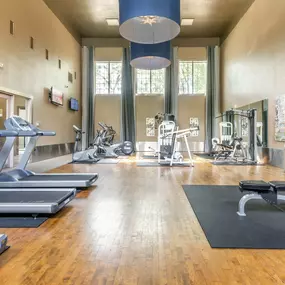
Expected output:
(24, 128)
(17, 123)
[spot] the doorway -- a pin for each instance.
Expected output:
(6, 110)
(12, 103)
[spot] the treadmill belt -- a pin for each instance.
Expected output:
(21, 222)
(65, 177)
(32, 196)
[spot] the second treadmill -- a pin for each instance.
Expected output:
(20, 177)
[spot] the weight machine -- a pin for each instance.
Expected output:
(168, 137)
(237, 149)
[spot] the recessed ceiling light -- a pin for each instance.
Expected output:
(113, 22)
(187, 22)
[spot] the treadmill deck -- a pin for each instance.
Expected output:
(35, 201)
(52, 181)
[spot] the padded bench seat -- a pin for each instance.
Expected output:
(255, 186)
(261, 186)
(278, 185)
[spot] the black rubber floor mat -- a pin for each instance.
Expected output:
(21, 222)
(216, 210)
(226, 162)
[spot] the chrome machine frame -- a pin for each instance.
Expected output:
(251, 115)
(167, 131)
(248, 197)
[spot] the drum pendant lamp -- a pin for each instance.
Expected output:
(149, 21)
(150, 56)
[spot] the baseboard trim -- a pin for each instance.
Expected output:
(44, 152)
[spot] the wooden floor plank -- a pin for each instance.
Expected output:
(137, 227)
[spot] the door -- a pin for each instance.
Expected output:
(6, 110)
(22, 109)
(22, 140)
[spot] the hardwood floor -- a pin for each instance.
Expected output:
(137, 227)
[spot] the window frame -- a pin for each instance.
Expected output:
(109, 77)
(150, 84)
(193, 93)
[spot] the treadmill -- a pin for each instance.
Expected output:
(28, 200)
(20, 177)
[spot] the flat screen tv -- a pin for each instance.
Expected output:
(56, 97)
(73, 104)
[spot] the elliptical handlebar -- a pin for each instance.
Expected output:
(76, 129)
(102, 125)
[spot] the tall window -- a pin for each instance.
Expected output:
(192, 77)
(108, 77)
(150, 81)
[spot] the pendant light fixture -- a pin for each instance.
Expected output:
(150, 56)
(149, 21)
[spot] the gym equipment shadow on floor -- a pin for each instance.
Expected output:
(156, 164)
(204, 155)
(21, 222)
(149, 156)
(215, 208)
(108, 161)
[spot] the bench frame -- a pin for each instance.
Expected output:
(271, 196)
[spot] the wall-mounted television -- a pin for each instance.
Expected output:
(73, 104)
(56, 97)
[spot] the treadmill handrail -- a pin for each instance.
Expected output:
(45, 133)
(26, 134)
(7, 133)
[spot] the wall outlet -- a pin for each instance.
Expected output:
(1, 65)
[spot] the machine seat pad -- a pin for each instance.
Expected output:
(255, 186)
(278, 185)
(225, 146)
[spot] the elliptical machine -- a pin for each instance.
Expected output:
(102, 145)
(88, 156)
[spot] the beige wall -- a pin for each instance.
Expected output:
(108, 54)
(192, 53)
(108, 111)
(253, 60)
(27, 71)
(147, 107)
(192, 107)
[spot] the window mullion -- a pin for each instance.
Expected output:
(192, 77)
(109, 77)
(188, 82)
(150, 80)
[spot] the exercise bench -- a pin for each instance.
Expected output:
(260, 190)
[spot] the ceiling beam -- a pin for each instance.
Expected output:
(120, 42)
